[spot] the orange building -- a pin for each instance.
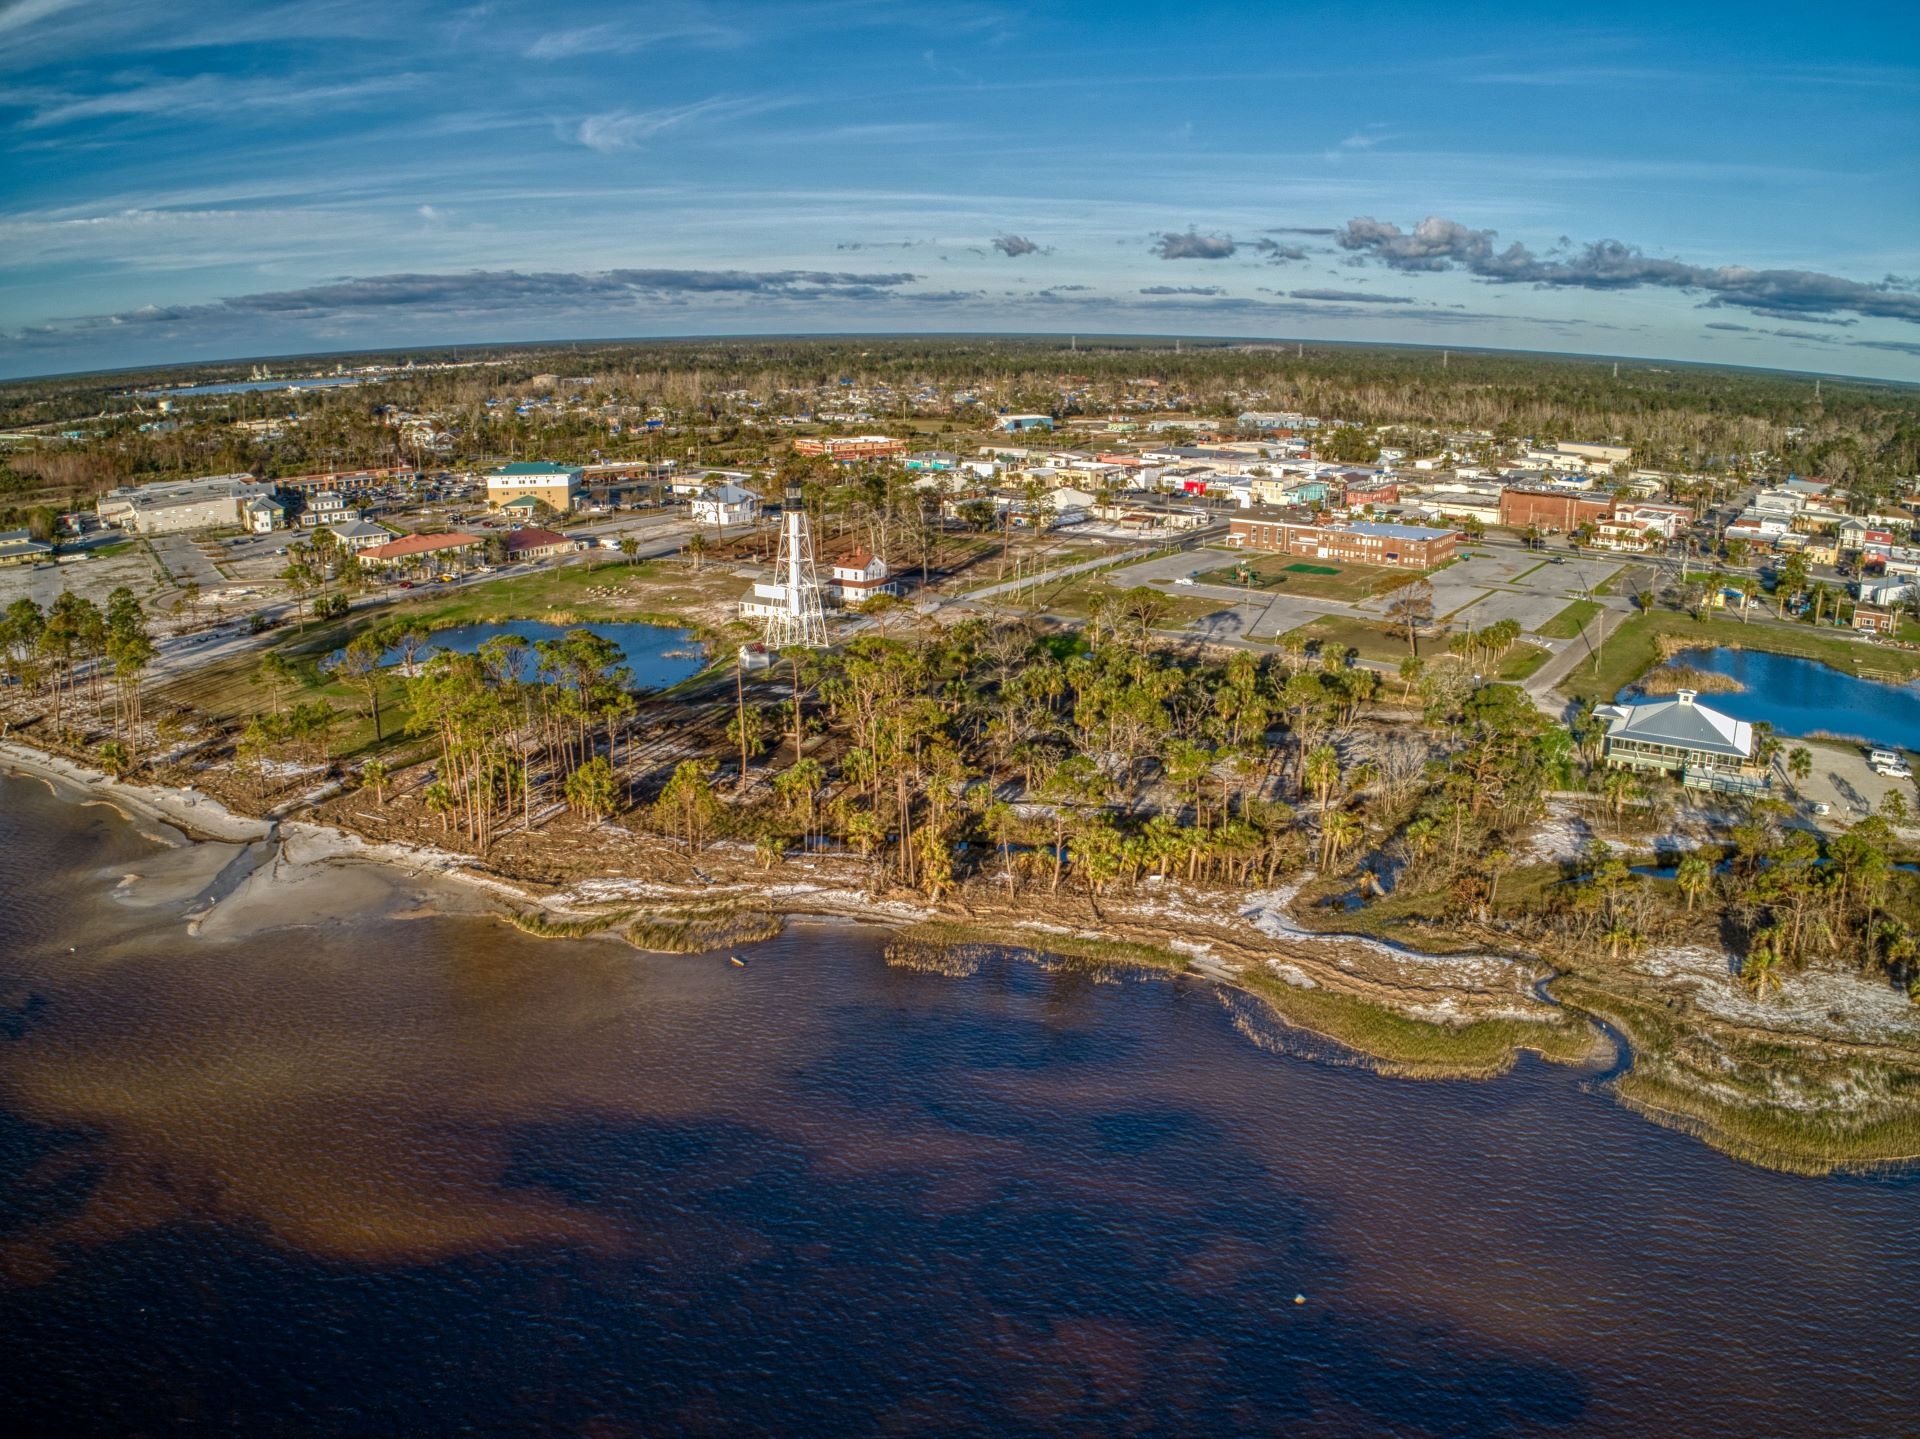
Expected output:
(851, 447)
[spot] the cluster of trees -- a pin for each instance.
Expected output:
(516, 723)
(1787, 898)
(73, 641)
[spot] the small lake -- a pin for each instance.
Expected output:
(1800, 697)
(658, 656)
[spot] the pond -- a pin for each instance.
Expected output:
(1802, 697)
(657, 655)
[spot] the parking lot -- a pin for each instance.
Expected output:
(1495, 584)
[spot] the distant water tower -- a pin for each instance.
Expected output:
(800, 617)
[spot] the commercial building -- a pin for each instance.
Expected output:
(1543, 509)
(1014, 424)
(556, 486)
(169, 507)
(845, 448)
(422, 550)
(19, 547)
(1701, 747)
(535, 543)
(1412, 547)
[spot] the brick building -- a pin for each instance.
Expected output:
(1412, 547)
(1560, 510)
(851, 447)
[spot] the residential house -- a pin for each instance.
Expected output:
(1699, 746)
(725, 504)
(856, 577)
(1872, 619)
(355, 536)
(325, 507)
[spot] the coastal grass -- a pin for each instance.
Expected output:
(957, 934)
(1800, 1107)
(1570, 621)
(699, 929)
(543, 926)
(1644, 640)
(1399, 1045)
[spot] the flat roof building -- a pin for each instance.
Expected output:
(1413, 547)
(168, 507)
(556, 486)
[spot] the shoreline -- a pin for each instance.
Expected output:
(1399, 1011)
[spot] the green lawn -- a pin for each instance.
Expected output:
(1287, 574)
(1634, 648)
(1570, 621)
(1374, 640)
(1521, 661)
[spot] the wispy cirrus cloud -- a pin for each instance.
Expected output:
(201, 95)
(613, 130)
(1438, 244)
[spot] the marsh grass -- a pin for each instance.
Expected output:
(696, 931)
(1395, 1044)
(1849, 1110)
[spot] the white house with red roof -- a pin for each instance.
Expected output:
(858, 576)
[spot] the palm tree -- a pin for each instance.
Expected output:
(1760, 970)
(1339, 832)
(1321, 768)
(1693, 875)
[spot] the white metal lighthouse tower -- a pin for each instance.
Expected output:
(798, 617)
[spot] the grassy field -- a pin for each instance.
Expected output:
(1634, 648)
(1288, 574)
(1373, 639)
(1570, 621)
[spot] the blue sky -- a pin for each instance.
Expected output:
(1694, 182)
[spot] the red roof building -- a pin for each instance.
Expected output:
(535, 543)
(409, 546)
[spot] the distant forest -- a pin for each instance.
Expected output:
(1696, 418)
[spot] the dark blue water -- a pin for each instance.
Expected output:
(1801, 697)
(242, 387)
(384, 1175)
(658, 656)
